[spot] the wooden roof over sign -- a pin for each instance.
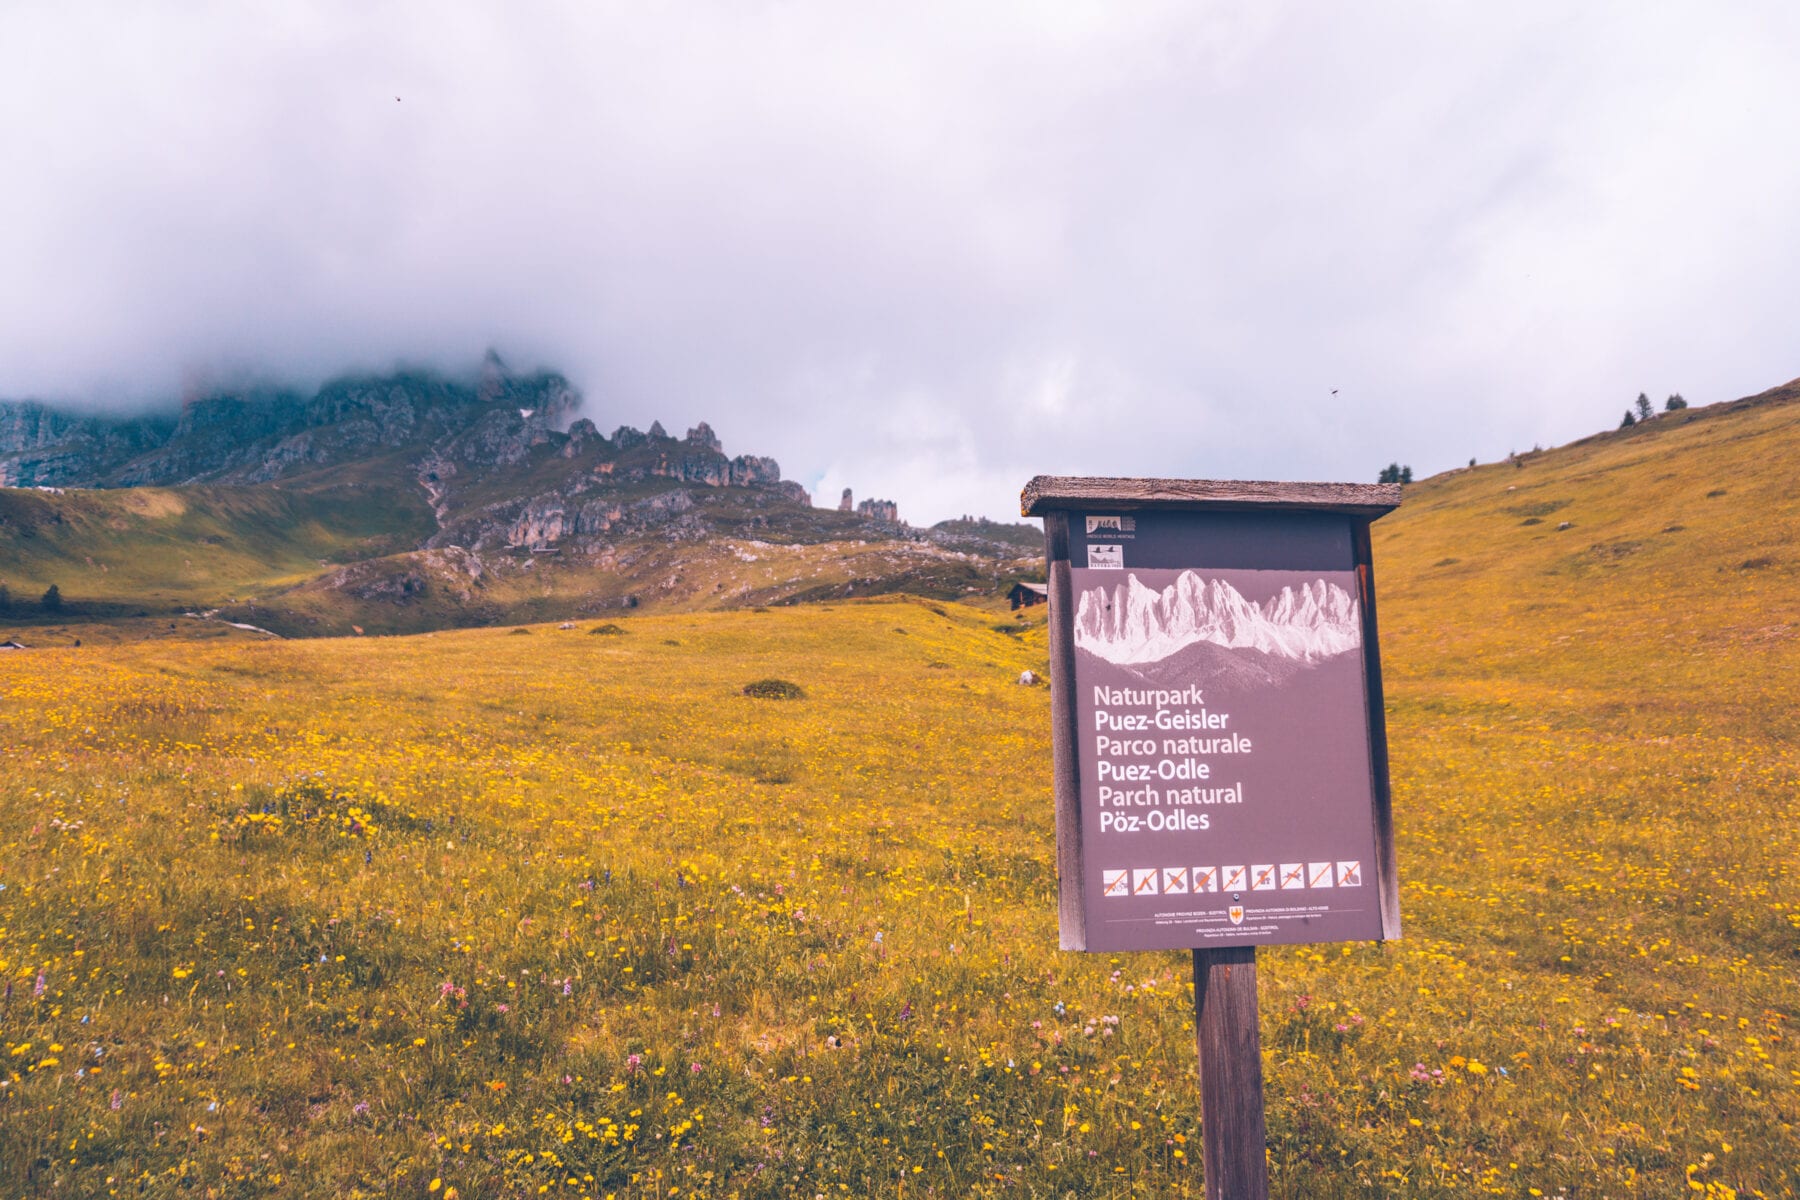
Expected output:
(1049, 492)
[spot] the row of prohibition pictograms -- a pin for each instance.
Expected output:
(1265, 877)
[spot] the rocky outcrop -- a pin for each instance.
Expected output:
(522, 490)
(406, 578)
(499, 438)
(545, 520)
(27, 425)
(749, 470)
(41, 446)
(598, 517)
(884, 511)
(261, 435)
(583, 437)
(846, 503)
(491, 454)
(285, 456)
(987, 538)
(455, 433)
(548, 520)
(712, 470)
(217, 435)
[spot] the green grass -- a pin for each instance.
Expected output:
(334, 557)
(157, 549)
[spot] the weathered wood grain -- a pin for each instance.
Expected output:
(1231, 1082)
(1049, 492)
(1387, 867)
(1064, 735)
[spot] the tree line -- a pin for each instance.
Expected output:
(1642, 410)
(51, 601)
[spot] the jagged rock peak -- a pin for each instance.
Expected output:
(259, 433)
(491, 384)
(625, 437)
(846, 503)
(582, 434)
(703, 435)
(658, 433)
(886, 511)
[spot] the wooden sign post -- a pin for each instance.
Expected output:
(1220, 749)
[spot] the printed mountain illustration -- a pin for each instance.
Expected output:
(1134, 624)
(1225, 672)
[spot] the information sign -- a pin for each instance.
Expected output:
(1222, 780)
(1220, 748)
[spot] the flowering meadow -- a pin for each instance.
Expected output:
(565, 912)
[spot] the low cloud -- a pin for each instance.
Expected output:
(927, 251)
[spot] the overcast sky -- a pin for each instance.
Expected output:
(925, 251)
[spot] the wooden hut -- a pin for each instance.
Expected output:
(1024, 595)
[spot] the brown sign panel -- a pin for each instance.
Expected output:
(1221, 759)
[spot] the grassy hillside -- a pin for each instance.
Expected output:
(568, 913)
(120, 551)
(415, 592)
(343, 555)
(1613, 561)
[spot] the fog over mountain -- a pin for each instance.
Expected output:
(924, 251)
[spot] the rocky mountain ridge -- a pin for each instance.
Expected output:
(262, 434)
(515, 498)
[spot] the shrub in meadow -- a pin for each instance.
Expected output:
(774, 689)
